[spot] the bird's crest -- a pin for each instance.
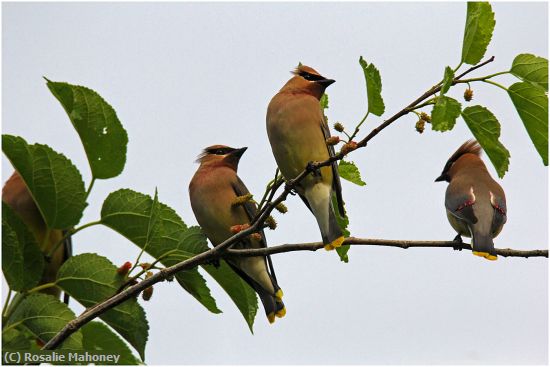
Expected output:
(304, 69)
(470, 146)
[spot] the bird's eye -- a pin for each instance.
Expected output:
(310, 77)
(220, 152)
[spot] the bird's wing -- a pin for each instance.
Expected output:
(460, 205)
(499, 217)
(251, 211)
(336, 183)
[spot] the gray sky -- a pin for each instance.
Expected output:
(183, 76)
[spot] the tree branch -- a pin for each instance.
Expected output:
(256, 225)
(404, 244)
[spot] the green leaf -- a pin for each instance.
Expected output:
(324, 101)
(349, 171)
(54, 182)
(374, 87)
(102, 135)
(44, 316)
(91, 279)
(240, 292)
(343, 222)
(444, 113)
(158, 230)
(486, 129)
(22, 260)
(15, 339)
(98, 337)
(532, 69)
(532, 105)
(448, 78)
(480, 23)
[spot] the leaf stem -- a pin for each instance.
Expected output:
(89, 188)
(69, 233)
(427, 103)
(8, 298)
(41, 287)
(13, 306)
(496, 84)
(357, 127)
(458, 67)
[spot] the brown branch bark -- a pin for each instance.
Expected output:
(404, 244)
(258, 223)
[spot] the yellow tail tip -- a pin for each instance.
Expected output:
(281, 312)
(329, 247)
(486, 255)
(279, 295)
(271, 318)
(337, 242)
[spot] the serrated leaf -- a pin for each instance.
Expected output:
(96, 336)
(343, 222)
(374, 87)
(44, 316)
(349, 171)
(54, 182)
(156, 228)
(324, 101)
(240, 292)
(448, 78)
(532, 69)
(22, 260)
(480, 23)
(444, 113)
(486, 129)
(532, 105)
(102, 135)
(91, 279)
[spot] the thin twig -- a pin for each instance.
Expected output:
(404, 244)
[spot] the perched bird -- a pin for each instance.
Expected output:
(475, 203)
(297, 132)
(17, 196)
(213, 191)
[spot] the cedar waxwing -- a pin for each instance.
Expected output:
(297, 132)
(213, 190)
(17, 196)
(475, 203)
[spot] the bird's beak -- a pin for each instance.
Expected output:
(326, 82)
(239, 152)
(443, 177)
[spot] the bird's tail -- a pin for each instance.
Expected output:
(482, 245)
(273, 305)
(333, 237)
(319, 200)
(272, 302)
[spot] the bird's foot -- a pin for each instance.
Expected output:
(215, 263)
(290, 189)
(311, 167)
(459, 241)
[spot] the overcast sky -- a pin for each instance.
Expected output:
(183, 76)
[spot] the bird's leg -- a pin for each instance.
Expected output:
(459, 241)
(313, 169)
